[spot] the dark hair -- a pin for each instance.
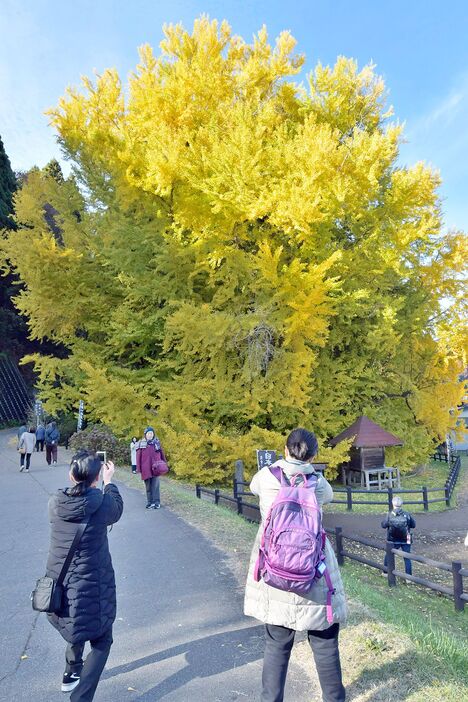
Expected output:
(302, 444)
(31, 430)
(85, 467)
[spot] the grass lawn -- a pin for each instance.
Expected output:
(401, 644)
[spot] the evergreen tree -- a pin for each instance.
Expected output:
(7, 189)
(242, 256)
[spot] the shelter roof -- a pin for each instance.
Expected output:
(367, 434)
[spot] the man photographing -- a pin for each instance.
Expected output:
(88, 606)
(398, 525)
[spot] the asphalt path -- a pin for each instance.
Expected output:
(180, 633)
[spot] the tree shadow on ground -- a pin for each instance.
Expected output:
(204, 657)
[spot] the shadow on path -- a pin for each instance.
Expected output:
(205, 657)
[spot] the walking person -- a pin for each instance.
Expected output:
(398, 524)
(40, 437)
(52, 437)
(21, 430)
(322, 608)
(25, 448)
(133, 451)
(89, 601)
(151, 463)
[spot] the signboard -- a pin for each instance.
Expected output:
(265, 458)
(79, 426)
(38, 408)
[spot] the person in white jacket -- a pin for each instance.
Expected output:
(26, 447)
(133, 449)
(284, 613)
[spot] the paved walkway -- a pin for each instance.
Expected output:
(180, 633)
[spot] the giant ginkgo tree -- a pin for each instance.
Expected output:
(240, 254)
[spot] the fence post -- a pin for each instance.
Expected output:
(457, 586)
(391, 579)
(234, 488)
(197, 490)
(390, 498)
(349, 499)
(425, 502)
(216, 496)
(239, 475)
(447, 495)
(239, 505)
(339, 545)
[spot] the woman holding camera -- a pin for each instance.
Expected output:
(89, 602)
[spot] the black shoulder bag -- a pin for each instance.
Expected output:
(48, 594)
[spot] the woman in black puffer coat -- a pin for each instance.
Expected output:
(89, 603)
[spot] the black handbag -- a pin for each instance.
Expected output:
(47, 596)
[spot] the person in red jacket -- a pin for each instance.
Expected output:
(149, 453)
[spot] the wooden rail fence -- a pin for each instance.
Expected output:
(457, 591)
(429, 495)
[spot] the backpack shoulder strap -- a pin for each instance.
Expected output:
(74, 545)
(276, 471)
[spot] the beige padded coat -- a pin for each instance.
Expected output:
(273, 606)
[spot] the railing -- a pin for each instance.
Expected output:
(251, 512)
(458, 572)
(429, 495)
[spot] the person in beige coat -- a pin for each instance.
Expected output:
(284, 613)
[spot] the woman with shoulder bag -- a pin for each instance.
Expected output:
(320, 609)
(151, 464)
(88, 607)
(26, 447)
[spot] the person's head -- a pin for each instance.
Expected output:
(134, 439)
(85, 468)
(31, 430)
(397, 502)
(301, 445)
(149, 433)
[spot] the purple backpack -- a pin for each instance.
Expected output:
(292, 550)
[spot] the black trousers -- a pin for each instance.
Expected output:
(39, 444)
(89, 671)
(28, 460)
(51, 453)
(279, 641)
(152, 490)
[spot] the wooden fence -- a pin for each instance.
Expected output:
(429, 495)
(456, 591)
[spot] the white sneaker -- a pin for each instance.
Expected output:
(70, 681)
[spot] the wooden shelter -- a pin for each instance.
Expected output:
(367, 457)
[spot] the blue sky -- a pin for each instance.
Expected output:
(420, 47)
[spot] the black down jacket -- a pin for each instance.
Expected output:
(89, 603)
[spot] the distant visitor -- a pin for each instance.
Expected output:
(151, 464)
(398, 524)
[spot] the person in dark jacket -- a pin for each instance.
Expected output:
(40, 437)
(398, 525)
(89, 603)
(52, 436)
(150, 450)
